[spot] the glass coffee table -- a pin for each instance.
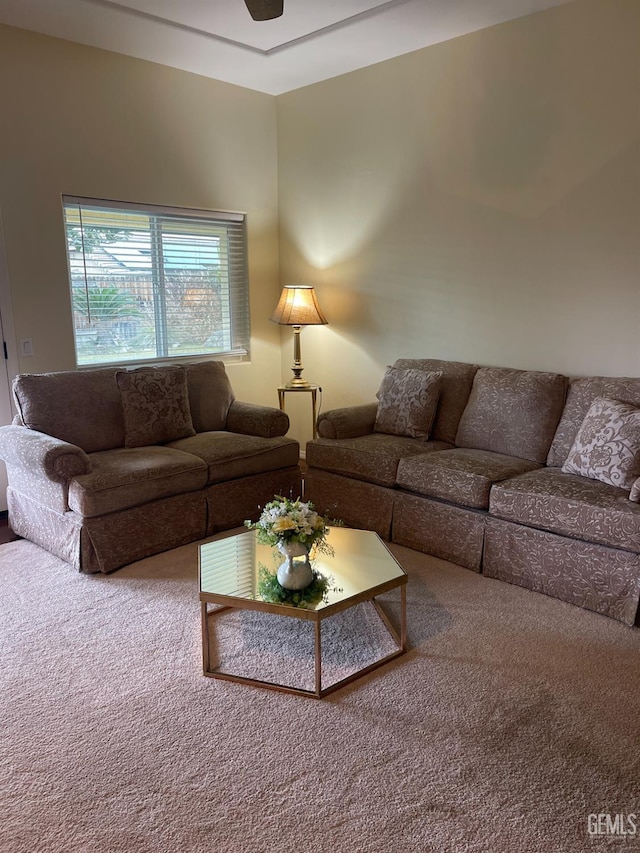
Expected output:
(361, 569)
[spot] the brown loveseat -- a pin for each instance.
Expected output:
(106, 466)
(486, 488)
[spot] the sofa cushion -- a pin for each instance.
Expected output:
(155, 405)
(229, 455)
(128, 477)
(571, 505)
(210, 395)
(460, 476)
(514, 412)
(607, 446)
(407, 401)
(82, 407)
(455, 387)
(373, 457)
(582, 393)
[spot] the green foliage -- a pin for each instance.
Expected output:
(104, 302)
(270, 590)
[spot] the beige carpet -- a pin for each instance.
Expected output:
(512, 718)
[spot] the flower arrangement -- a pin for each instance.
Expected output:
(309, 598)
(284, 521)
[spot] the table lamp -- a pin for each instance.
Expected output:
(298, 307)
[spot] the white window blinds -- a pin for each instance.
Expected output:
(155, 282)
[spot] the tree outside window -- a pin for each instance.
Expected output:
(155, 283)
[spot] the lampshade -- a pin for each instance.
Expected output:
(298, 306)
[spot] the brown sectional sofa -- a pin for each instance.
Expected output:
(487, 490)
(78, 487)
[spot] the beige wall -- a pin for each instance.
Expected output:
(477, 200)
(91, 123)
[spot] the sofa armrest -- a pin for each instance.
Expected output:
(42, 454)
(348, 422)
(251, 419)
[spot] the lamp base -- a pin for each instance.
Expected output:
(298, 382)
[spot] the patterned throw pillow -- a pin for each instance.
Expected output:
(407, 402)
(155, 405)
(607, 446)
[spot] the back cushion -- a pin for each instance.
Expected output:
(155, 405)
(210, 395)
(455, 387)
(407, 401)
(582, 393)
(514, 412)
(82, 407)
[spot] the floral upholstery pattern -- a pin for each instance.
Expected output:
(44, 491)
(210, 395)
(229, 455)
(582, 393)
(448, 532)
(372, 457)
(155, 405)
(53, 529)
(127, 477)
(455, 387)
(81, 407)
(607, 446)
(514, 412)
(365, 506)
(41, 465)
(77, 491)
(563, 534)
(407, 401)
(231, 502)
(460, 476)
(110, 541)
(29, 449)
(570, 505)
(601, 579)
(348, 421)
(252, 419)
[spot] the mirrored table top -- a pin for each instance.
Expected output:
(360, 568)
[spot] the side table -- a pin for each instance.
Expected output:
(310, 389)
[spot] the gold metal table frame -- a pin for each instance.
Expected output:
(363, 569)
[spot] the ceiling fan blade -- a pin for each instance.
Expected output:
(264, 10)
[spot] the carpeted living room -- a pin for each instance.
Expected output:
(453, 190)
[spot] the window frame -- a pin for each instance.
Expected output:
(235, 295)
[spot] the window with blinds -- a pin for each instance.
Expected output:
(155, 282)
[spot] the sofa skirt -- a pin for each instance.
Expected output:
(366, 506)
(448, 532)
(605, 580)
(106, 542)
(229, 504)
(56, 532)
